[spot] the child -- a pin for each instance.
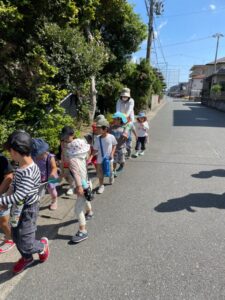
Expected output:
(121, 132)
(91, 140)
(24, 198)
(66, 136)
(141, 128)
(47, 165)
(6, 176)
(104, 146)
(77, 152)
(131, 130)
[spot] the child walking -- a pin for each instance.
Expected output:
(141, 128)
(77, 152)
(120, 131)
(66, 136)
(24, 198)
(6, 176)
(104, 147)
(91, 140)
(47, 165)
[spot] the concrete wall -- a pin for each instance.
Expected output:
(217, 104)
(155, 102)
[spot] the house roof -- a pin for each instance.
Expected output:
(197, 67)
(219, 61)
(198, 77)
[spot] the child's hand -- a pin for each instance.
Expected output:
(79, 191)
(89, 162)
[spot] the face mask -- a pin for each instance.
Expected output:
(124, 99)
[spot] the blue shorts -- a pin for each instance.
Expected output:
(5, 212)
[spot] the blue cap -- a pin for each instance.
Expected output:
(141, 115)
(39, 147)
(121, 116)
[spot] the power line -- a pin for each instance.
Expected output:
(195, 12)
(185, 42)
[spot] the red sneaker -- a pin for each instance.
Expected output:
(8, 245)
(22, 264)
(43, 256)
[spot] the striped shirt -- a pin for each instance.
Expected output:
(25, 185)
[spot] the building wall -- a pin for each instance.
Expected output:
(210, 69)
(196, 86)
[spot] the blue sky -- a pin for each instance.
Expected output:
(185, 22)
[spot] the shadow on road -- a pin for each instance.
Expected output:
(198, 115)
(201, 200)
(209, 174)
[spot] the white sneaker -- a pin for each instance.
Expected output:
(136, 154)
(142, 153)
(101, 189)
(70, 192)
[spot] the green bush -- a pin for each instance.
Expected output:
(216, 88)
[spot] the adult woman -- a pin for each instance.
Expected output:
(125, 104)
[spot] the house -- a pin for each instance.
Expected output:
(220, 63)
(215, 77)
(197, 76)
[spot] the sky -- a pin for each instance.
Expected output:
(184, 32)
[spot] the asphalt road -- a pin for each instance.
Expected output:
(158, 232)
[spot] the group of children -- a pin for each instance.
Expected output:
(107, 148)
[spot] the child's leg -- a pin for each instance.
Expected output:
(89, 210)
(129, 145)
(100, 174)
(138, 144)
(4, 226)
(4, 223)
(121, 159)
(24, 235)
(143, 143)
(79, 211)
(53, 192)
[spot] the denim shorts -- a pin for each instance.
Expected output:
(5, 212)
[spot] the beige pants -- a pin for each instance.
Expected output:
(100, 171)
(80, 206)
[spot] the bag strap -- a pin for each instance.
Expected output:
(100, 141)
(47, 165)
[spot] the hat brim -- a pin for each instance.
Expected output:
(125, 95)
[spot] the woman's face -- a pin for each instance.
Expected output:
(124, 98)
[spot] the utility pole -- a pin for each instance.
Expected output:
(152, 7)
(150, 11)
(217, 36)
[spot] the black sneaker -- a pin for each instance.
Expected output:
(79, 237)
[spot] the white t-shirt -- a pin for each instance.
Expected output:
(126, 107)
(141, 128)
(107, 144)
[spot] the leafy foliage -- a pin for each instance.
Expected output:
(50, 48)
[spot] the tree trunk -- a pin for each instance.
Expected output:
(93, 91)
(93, 98)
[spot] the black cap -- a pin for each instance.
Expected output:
(20, 141)
(66, 132)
